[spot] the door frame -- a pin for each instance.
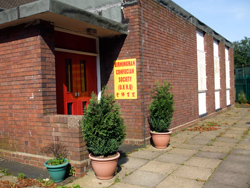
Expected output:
(97, 55)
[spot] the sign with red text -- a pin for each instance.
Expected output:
(125, 79)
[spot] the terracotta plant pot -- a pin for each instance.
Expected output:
(161, 140)
(104, 168)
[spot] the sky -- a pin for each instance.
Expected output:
(229, 18)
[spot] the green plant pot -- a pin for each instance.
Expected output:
(57, 172)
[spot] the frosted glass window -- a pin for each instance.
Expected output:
(216, 48)
(226, 54)
(216, 65)
(202, 83)
(228, 97)
(217, 100)
(227, 68)
(200, 40)
(202, 103)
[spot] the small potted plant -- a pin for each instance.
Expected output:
(161, 114)
(57, 167)
(104, 131)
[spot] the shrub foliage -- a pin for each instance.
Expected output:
(242, 97)
(59, 151)
(161, 108)
(102, 126)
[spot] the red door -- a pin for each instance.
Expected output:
(76, 79)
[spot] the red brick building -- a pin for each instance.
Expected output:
(53, 54)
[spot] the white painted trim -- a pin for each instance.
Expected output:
(75, 52)
(98, 71)
(75, 33)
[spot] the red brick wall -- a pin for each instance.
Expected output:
(232, 84)
(223, 102)
(210, 99)
(125, 47)
(28, 87)
(170, 54)
(28, 99)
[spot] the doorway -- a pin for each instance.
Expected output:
(76, 79)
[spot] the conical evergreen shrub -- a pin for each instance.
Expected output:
(161, 107)
(102, 126)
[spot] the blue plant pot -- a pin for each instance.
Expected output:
(57, 172)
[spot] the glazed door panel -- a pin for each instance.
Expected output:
(76, 80)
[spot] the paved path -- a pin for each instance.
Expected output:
(213, 159)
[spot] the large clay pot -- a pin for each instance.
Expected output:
(161, 140)
(104, 168)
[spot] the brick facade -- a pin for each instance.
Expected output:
(165, 50)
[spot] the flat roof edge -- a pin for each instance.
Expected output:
(85, 16)
(63, 9)
(172, 6)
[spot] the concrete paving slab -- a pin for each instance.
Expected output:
(212, 155)
(243, 124)
(131, 162)
(217, 149)
(145, 154)
(90, 181)
(11, 179)
(159, 167)
(193, 172)
(225, 124)
(238, 158)
(239, 129)
(176, 144)
(125, 185)
(215, 185)
(230, 140)
(177, 182)
(182, 151)
(198, 141)
(191, 146)
(234, 167)
(243, 146)
(124, 172)
(237, 132)
(203, 162)
(210, 134)
(230, 179)
(245, 140)
(241, 152)
(151, 148)
(172, 158)
(224, 144)
(143, 178)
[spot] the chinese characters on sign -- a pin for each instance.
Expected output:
(125, 79)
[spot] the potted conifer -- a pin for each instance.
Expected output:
(161, 114)
(104, 131)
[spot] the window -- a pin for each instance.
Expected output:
(216, 65)
(68, 75)
(83, 76)
(202, 78)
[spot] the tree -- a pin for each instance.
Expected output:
(242, 52)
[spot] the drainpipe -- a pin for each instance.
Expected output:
(143, 93)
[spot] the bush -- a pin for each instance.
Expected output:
(242, 97)
(103, 127)
(161, 108)
(59, 151)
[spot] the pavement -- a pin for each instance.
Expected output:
(194, 159)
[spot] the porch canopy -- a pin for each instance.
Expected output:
(62, 16)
